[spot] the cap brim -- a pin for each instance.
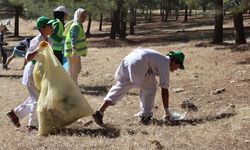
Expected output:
(182, 66)
(50, 22)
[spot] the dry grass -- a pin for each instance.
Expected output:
(208, 67)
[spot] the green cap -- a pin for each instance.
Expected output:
(42, 21)
(179, 56)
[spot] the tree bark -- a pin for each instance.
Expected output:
(100, 24)
(89, 25)
(132, 19)
(114, 24)
(218, 27)
(239, 28)
(166, 10)
(186, 13)
(177, 10)
(123, 23)
(18, 11)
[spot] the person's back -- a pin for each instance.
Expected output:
(19, 50)
(23, 45)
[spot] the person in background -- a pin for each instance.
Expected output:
(139, 69)
(3, 30)
(20, 51)
(76, 44)
(28, 107)
(60, 15)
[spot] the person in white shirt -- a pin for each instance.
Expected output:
(28, 107)
(139, 69)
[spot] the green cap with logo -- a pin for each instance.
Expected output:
(179, 56)
(42, 21)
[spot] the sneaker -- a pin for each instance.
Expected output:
(31, 128)
(6, 67)
(98, 118)
(145, 119)
(14, 119)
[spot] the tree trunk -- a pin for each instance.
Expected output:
(204, 7)
(131, 24)
(239, 28)
(162, 10)
(186, 13)
(218, 27)
(150, 12)
(190, 12)
(100, 24)
(166, 11)
(123, 23)
(89, 25)
(177, 10)
(114, 24)
(135, 15)
(18, 11)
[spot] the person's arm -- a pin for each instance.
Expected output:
(165, 98)
(54, 35)
(31, 55)
(73, 35)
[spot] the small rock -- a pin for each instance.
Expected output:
(218, 91)
(232, 81)
(157, 144)
(196, 76)
(187, 104)
(178, 90)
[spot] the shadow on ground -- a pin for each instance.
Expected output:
(108, 131)
(193, 121)
(94, 90)
(11, 76)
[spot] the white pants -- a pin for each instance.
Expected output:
(74, 67)
(28, 107)
(146, 95)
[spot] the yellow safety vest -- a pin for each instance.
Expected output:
(81, 43)
(58, 46)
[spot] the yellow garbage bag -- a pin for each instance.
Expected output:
(60, 101)
(38, 74)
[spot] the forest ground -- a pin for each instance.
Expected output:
(216, 80)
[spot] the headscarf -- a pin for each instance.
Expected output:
(78, 13)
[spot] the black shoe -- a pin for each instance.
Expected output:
(14, 119)
(145, 119)
(98, 118)
(6, 67)
(32, 128)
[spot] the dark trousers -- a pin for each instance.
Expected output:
(59, 56)
(4, 55)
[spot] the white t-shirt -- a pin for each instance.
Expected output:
(141, 62)
(28, 70)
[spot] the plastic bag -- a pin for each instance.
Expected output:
(60, 101)
(38, 74)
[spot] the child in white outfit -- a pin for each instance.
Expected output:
(43, 24)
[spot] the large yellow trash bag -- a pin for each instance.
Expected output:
(38, 74)
(60, 101)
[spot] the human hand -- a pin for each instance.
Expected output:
(43, 44)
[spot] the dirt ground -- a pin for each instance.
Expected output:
(216, 80)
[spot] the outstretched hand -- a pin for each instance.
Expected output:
(43, 44)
